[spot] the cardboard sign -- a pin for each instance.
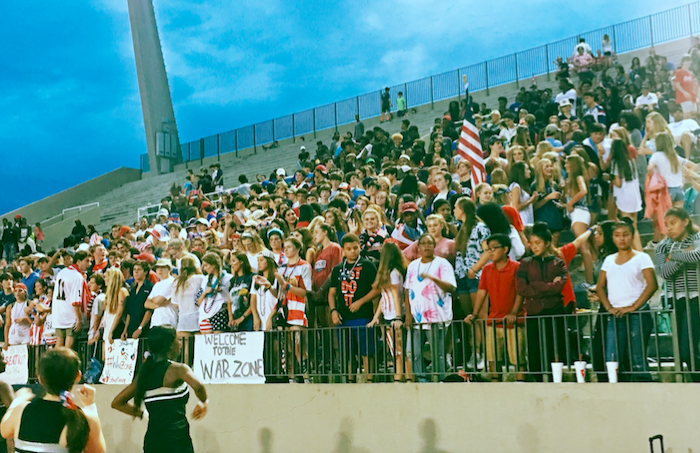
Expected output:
(16, 365)
(120, 362)
(230, 358)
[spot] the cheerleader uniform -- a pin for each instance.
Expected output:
(168, 429)
(41, 427)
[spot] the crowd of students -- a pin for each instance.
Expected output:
(386, 233)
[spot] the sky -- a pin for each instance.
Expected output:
(69, 100)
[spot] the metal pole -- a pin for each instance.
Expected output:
(236, 142)
(459, 90)
(294, 132)
(614, 37)
(690, 23)
(432, 105)
(201, 151)
(405, 94)
(273, 131)
(357, 104)
(335, 115)
(546, 58)
(314, 110)
(517, 81)
(486, 71)
(651, 32)
(218, 147)
(255, 141)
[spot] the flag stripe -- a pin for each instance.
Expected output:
(469, 146)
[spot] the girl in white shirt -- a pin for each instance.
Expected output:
(633, 282)
(389, 280)
(264, 292)
(667, 163)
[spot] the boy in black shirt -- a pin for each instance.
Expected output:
(350, 299)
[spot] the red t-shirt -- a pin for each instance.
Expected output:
(329, 258)
(568, 252)
(513, 217)
(686, 80)
(500, 284)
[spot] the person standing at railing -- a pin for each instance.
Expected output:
(138, 318)
(677, 261)
(430, 282)
(18, 318)
(632, 283)
(70, 296)
(540, 281)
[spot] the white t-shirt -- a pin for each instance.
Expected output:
(212, 304)
(429, 303)
(648, 99)
(185, 299)
(508, 134)
(178, 262)
(387, 301)
(570, 95)
(663, 167)
(687, 125)
(67, 291)
(265, 302)
(626, 281)
(166, 315)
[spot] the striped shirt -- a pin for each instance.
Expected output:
(296, 305)
(682, 266)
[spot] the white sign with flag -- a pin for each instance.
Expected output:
(16, 365)
(230, 358)
(120, 362)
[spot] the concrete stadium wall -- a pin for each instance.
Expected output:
(55, 233)
(76, 195)
(430, 418)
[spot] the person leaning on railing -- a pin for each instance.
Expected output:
(540, 280)
(633, 282)
(677, 259)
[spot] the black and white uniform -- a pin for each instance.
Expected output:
(168, 429)
(41, 427)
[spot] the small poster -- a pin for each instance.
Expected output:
(120, 362)
(230, 358)
(16, 360)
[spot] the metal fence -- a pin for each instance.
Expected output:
(665, 26)
(647, 345)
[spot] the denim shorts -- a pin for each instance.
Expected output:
(676, 194)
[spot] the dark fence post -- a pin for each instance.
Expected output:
(517, 80)
(651, 31)
(218, 147)
(335, 115)
(236, 142)
(273, 131)
(294, 131)
(255, 141)
(486, 71)
(314, 122)
(187, 163)
(546, 60)
(459, 90)
(201, 151)
(357, 105)
(405, 94)
(432, 105)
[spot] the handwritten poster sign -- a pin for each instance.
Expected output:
(16, 365)
(230, 358)
(120, 362)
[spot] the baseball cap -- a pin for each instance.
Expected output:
(551, 129)
(202, 221)
(281, 172)
(321, 168)
(564, 102)
(163, 262)
(163, 212)
(344, 186)
(21, 286)
(409, 207)
(404, 156)
(147, 257)
(123, 230)
(18, 216)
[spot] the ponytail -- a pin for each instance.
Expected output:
(78, 428)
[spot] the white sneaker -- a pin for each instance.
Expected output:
(651, 245)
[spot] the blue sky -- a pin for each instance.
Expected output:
(69, 103)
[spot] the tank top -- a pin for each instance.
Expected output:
(19, 333)
(41, 427)
(166, 405)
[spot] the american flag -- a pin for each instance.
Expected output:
(469, 145)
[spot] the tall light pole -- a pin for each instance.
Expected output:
(158, 116)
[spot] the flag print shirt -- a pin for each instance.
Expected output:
(429, 303)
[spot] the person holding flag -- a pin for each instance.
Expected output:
(469, 144)
(70, 298)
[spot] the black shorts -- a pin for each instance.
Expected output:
(386, 108)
